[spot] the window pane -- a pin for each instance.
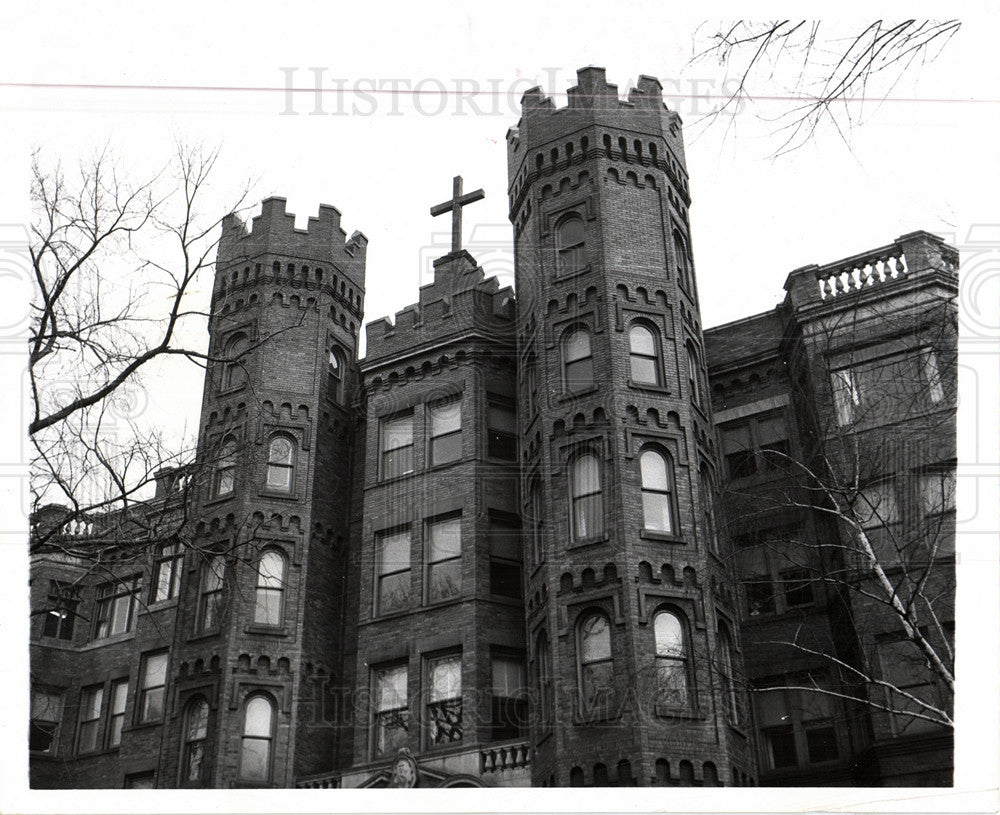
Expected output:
(267, 607)
(570, 232)
(446, 418)
(391, 732)
(505, 578)
(598, 683)
(258, 717)
(641, 341)
(781, 747)
(227, 480)
(271, 571)
(152, 704)
(445, 539)
(669, 635)
(595, 638)
(772, 707)
(588, 520)
(394, 592)
(580, 374)
(90, 705)
(446, 449)
(445, 580)
(390, 688)
(254, 759)
(577, 345)
(397, 433)
(445, 719)
(502, 418)
(156, 671)
(281, 451)
(822, 744)
(279, 477)
(395, 552)
(656, 513)
(671, 682)
(198, 721)
(643, 370)
(213, 573)
(164, 579)
(654, 471)
(121, 614)
(398, 462)
(446, 678)
(508, 676)
(586, 476)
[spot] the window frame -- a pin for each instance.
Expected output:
(516, 704)
(497, 438)
(170, 555)
(269, 739)
(577, 500)
(335, 370)
(224, 471)
(402, 712)
(654, 358)
(502, 527)
(62, 604)
(669, 493)
(233, 368)
(678, 659)
(268, 589)
(188, 743)
(38, 723)
(567, 362)
(570, 256)
(434, 437)
(89, 720)
(431, 525)
(695, 385)
(798, 726)
(106, 606)
(432, 740)
(605, 694)
(682, 261)
(380, 538)
(145, 690)
(214, 595)
(385, 422)
(278, 466)
(116, 718)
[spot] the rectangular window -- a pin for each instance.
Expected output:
(444, 559)
(797, 723)
(116, 604)
(509, 704)
(505, 556)
(937, 492)
(906, 671)
(759, 595)
(501, 423)
(116, 717)
(213, 573)
(444, 699)
(846, 398)
(445, 432)
(885, 389)
(876, 506)
(60, 611)
(167, 572)
(46, 714)
(396, 445)
(391, 711)
(932, 377)
(152, 687)
(87, 736)
(392, 584)
(797, 586)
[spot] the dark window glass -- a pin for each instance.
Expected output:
(509, 704)
(505, 557)
(46, 714)
(116, 605)
(578, 363)
(60, 611)
(167, 572)
(502, 432)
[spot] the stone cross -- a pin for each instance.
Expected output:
(454, 206)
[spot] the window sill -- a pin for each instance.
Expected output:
(95, 753)
(160, 605)
(206, 634)
(143, 726)
(280, 495)
(569, 396)
(673, 712)
(114, 638)
(504, 600)
(220, 499)
(267, 630)
(663, 537)
(646, 386)
(231, 389)
(382, 480)
(564, 276)
(444, 465)
(579, 544)
(604, 713)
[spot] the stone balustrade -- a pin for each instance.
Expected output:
(500, 757)
(861, 271)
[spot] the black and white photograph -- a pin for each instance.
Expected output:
(515, 398)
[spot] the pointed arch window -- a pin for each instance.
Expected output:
(596, 665)
(335, 368)
(682, 260)
(644, 356)
(707, 489)
(671, 659)
(210, 597)
(586, 499)
(195, 736)
(656, 474)
(225, 469)
(570, 241)
(269, 595)
(257, 740)
(234, 373)
(578, 360)
(280, 464)
(694, 374)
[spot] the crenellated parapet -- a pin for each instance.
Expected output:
(461, 301)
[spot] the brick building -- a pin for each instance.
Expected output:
(564, 539)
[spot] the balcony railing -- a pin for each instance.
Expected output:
(498, 758)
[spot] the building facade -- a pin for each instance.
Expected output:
(567, 538)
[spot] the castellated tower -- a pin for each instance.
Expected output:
(265, 614)
(630, 624)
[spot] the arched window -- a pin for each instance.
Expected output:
(644, 358)
(707, 489)
(694, 374)
(336, 371)
(280, 464)
(233, 372)
(270, 591)
(195, 734)
(681, 260)
(569, 244)
(210, 597)
(578, 362)
(537, 520)
(587, 504)
(671, 659)
(725, 658)
(256, 743)
(596, 665)
(225, 469)
(656, 472)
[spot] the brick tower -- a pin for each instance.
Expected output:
(631, 633)
(264, 613)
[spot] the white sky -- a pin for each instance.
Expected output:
(925, 159)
